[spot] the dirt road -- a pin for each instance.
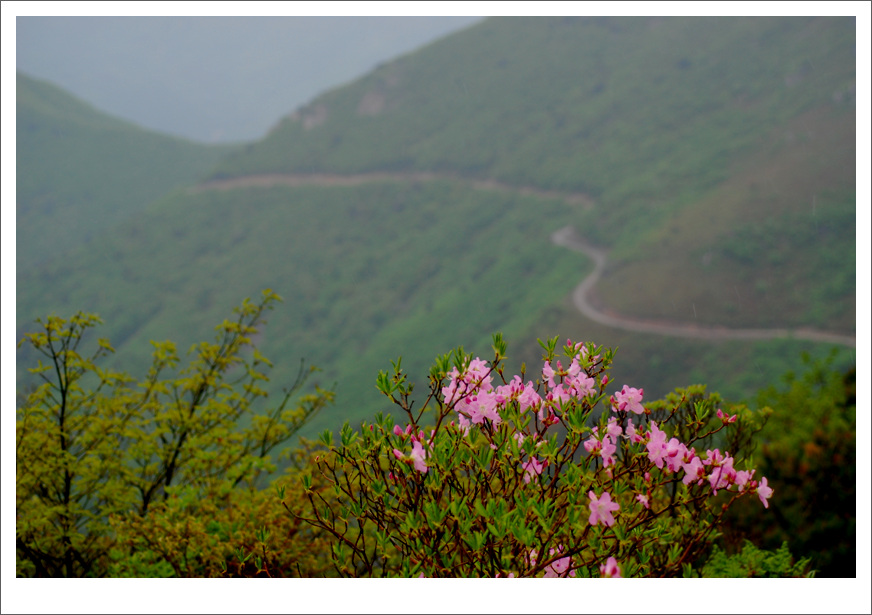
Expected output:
(565, 237)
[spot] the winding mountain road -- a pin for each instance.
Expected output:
(565, 237)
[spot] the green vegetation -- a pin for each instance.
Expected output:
(80, 172)
(364, 271)
(752, 562)
(159, 475)
(681, 129)
(809, 447)
(505, 478)
(716, 152)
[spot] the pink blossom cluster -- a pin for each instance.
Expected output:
(472, 395)
(419, 454)
(475, 399)
(716, 468)
(607, 446)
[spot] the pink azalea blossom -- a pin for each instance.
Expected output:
(532, 468)
(601, 509)
(548, 374)
(559, 567)
(593, 446)
(608, 452)
(723, 475)
(694, 471)
(764, 491)
(742, 478)
(417, 456)
(643, 499)
(613, 428)
(610, 569)
(634, 435)
(727, 419)
(656, 445)
(675, 451)
(628, 398)
(529, 398)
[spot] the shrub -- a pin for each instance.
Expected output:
(496, 477)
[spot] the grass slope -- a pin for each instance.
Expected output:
(689, 133)
(367, 273)
(80, 172)
(717, 151)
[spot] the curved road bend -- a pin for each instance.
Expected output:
(567, 238)
(564, 237)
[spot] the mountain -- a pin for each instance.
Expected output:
(80, 171)
(710, 160)
(700, 139)
(210, 78)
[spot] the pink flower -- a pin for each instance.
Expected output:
(608, 452)
(483, 406)
(601, 509)
(628, 399)
(529, 398)
(631, 433)
(675, 452)
(694, 471)
(722, 475)
(643, 499)
(764, 491)
(532, 468)
(593, 446)
(610, 569)
(656, 445)
(613, 428)
(727, 419)
(416, 458)
(548, 374)
(418, 455)
(742, 478)
(559, 567)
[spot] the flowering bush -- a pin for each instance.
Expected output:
(493, 472)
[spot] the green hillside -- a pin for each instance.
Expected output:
(692, 134)
(714, 153)
(80, 172)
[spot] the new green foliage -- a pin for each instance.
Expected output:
(101, 455)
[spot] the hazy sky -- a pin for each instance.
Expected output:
(213, 78)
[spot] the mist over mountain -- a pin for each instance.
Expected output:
(213, 79)
(711, 160)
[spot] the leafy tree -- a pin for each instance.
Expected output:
(102, 458)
